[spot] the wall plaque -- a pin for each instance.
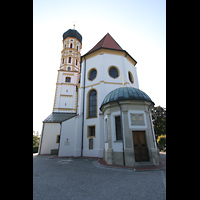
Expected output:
(137, 119)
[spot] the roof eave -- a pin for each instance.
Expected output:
(110, 49)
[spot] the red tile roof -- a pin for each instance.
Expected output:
(106, 42)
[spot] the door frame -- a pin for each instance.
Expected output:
(146, 147)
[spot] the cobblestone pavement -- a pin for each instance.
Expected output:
(84, 178)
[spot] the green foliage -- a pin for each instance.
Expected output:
(159, 120)
(35, 149)
(36, 141)
(161, 140)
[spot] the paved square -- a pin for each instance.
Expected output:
(84, 178)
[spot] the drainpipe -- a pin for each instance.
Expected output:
(153, 134)
(83, 106)
(60, 137)
(122, 132)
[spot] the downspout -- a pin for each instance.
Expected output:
(153, 134)
(122, 132)
(83, 105)
(60, 137)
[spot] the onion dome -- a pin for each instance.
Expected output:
(72, 33)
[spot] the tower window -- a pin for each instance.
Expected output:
(76, 62)
(113, 72)
(77, 48)
(69, 60)
(68, 79)
(92, 110)
(130, 76)
(92, 74)
(71, 45)
(63, 61)
(68, 68)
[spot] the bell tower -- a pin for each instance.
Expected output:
(68, 75)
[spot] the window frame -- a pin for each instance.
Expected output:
(58, 139)
(67, 78)
(69, 59)
(130, 77)
(90, 107)
(89, 74)
(112, 66)
(118, 129)
(88, 131)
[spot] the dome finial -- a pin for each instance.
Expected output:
(74, 26)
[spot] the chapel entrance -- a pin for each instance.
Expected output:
(140, 146)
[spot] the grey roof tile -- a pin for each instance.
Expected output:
(59, 117)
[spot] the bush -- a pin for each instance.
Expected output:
(35, 149)
(162, 141)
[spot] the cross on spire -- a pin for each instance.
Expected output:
(122, 77)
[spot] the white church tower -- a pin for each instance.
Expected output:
(68, 74)
(65, 100)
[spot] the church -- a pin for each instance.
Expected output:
(99, 110)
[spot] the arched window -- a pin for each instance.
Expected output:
(69, 60)
(92, 109)
(71, 45)
(77, 48)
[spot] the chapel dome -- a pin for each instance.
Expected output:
(72, 33)
(126, 93)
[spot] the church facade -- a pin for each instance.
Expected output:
(99, 110)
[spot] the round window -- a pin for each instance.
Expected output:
(113, 72)
(130, 77)
(92, 74)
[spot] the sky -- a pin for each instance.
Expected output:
(138, 26)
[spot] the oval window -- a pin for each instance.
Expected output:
(130, 76)
(92, 74)
(113, 72)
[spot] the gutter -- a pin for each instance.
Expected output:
(111, 49)
(122, 132)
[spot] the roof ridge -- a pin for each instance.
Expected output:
(105, 39)
(106, 42)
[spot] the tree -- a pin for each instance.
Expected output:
(159, 120)
(36, 141)
(162, 140)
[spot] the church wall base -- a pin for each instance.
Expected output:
(116, 158)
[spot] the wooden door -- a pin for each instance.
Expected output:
(140, 146)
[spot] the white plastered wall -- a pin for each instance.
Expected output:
(50, 132)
